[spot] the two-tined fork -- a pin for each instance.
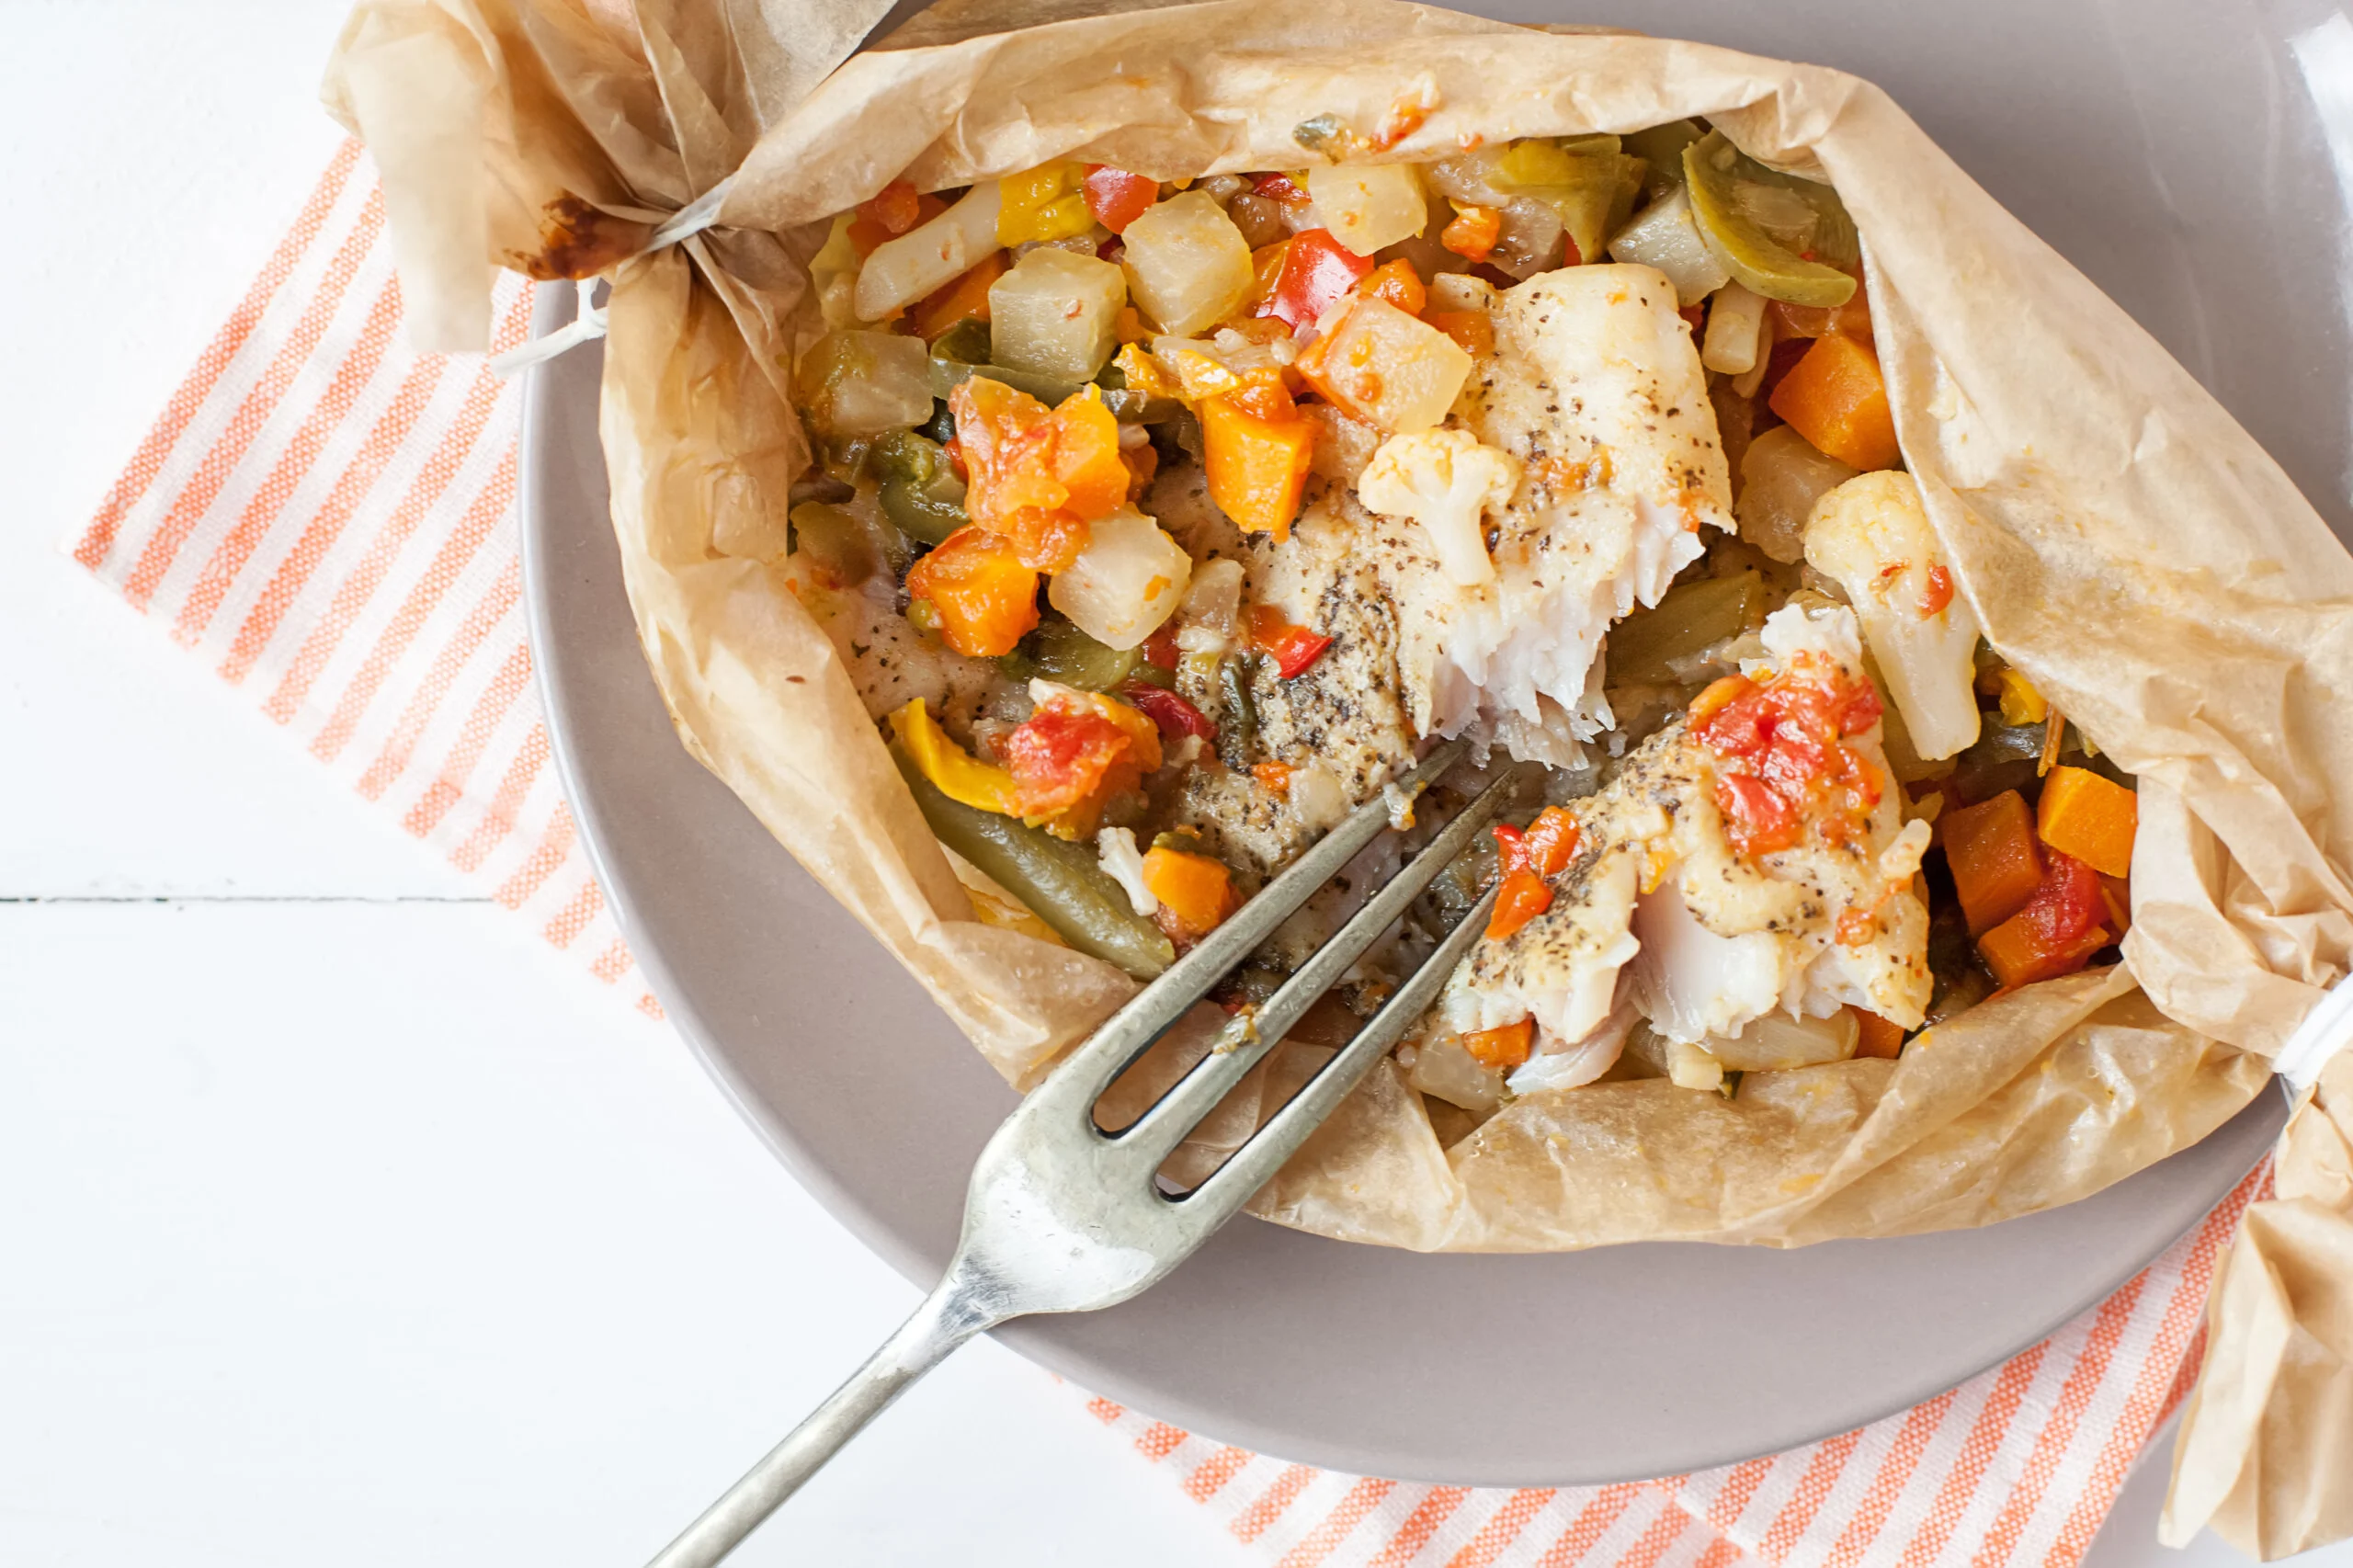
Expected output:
(1064, 1217)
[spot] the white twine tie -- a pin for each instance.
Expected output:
(590, 322)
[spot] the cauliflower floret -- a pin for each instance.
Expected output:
(1124, 862)
(1872, 535)
(1444, 480)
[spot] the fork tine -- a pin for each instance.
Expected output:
(1129, 1032)
(1191, 1098)
(1232, 1184)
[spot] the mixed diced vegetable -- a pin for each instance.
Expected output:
(1012, 376)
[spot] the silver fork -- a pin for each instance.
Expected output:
(1064, 1217)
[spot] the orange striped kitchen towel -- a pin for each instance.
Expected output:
(327, 518)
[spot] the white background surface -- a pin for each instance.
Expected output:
(343, 1223)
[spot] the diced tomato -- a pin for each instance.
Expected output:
(1116, 196)
(1523, 897)
(1273, 777)
(2058, 930)
(983, 597)
(1176, 717)
(1938, 593)
(1397, 282)
(894, 207)
(1281, 189)
(1501, 1048)
(2067, 903)
(1758, 817)
(1293, 648)
(1079, 750)
(1545, 846)
(1160, 649)
(1316, 271)
(1779, 743)
(1035, 475)
(1552, 840)
(1695, 317)
(1474, 231)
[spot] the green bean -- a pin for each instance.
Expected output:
(1060, 652)
(966, 343)
(952, 364)
(1061, 883)
(1716, 173)
(1693, 617)
(1237, 719)
(920, 492)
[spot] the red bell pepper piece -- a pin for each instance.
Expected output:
(1281, 189)
(1116, 196)
(1176, 717)
(1293, 648)
(1317, 270)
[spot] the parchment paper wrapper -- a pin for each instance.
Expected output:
(2123, 542)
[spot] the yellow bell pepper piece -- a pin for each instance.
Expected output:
(953, 771)
(1043, 203)
(2021, 704)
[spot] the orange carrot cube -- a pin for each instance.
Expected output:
(1501, 1048)
(1837, 398)
(2019, 953)
(1991, 848)
(2090, 817)
(983, 598)
(1257, 467)
(1196, 893)
(1877, 1037)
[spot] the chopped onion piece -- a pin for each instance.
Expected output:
(1666, 236)
(925, 259)
(1736, 331)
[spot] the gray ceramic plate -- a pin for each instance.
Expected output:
(2170, 150)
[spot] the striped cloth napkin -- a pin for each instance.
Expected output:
(327, 518)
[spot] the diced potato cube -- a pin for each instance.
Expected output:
(1056, 313)
(1368, 205)
(862, 383)
(1384, 366)
(1188, 266)
(1130, 578)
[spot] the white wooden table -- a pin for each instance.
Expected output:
(344, 1223)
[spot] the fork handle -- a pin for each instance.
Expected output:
(946, 1318)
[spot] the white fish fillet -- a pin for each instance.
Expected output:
(1706, 939)
(1595, 386)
